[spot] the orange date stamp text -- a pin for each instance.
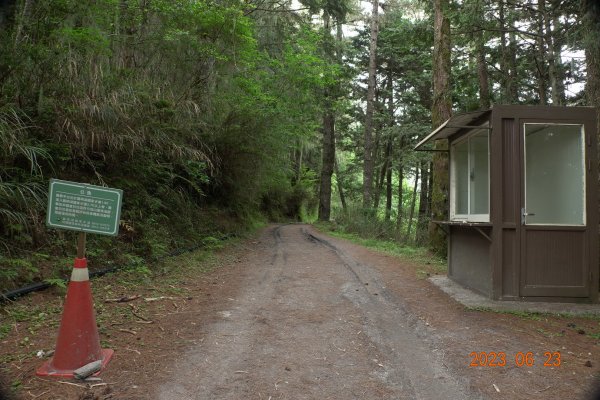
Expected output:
(520, 359)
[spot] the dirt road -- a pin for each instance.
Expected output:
(295, 314)
(313, 323)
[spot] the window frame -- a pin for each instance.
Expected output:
(582, 139)
(468, 217)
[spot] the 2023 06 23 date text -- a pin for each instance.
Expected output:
(520, 359)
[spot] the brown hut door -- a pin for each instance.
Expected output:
(554, 240)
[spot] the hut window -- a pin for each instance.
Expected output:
(469, 185)
(554, 174)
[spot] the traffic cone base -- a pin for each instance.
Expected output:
(78, 343)
(48, 369)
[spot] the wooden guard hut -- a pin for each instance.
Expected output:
(523, 202)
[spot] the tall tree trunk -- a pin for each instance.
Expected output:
(482, 74)
(377, 171)
(591, 12)
(382, 173)
(513, 89)
(430, 187)
(388, 149)
(388, 191)
(558, 40)
(340, 185)
(541, 56)
(400, 184)
(413, 200)
(508, 50)
(368, 151)
(551, 57)
(441, 111)
(328, 146)
(503, 54)
(328, 161)
(387, 156)
(482, 71)
(400, 197)
(423, 215)
(336, 166)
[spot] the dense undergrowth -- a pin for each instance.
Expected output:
(180, 104)
(370, 231)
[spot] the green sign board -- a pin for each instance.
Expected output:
(84, 208)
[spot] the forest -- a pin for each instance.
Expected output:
(214, 116)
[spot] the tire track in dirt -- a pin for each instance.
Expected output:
(417, 362)
(309, 322)
(458, 332)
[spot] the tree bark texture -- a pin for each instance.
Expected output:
(328, 159)
(591, 12)
(388, 149)
(368, 139)
(413, 201)
(128, 31)
(513, 89)
(558, 39)
(388, 189)
(423, 215)
(482, 74)
(400, 184)
(400, 197)
(381, 179)
(553, 60)
(541, 59)
(442, 97)
(442, 110)
(377, 170)
(430, 177)
(508, 49)
(591, 15)
(482, 71)
(340, 185)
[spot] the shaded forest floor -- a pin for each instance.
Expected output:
(150, 337)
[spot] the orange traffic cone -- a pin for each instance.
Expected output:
(78, 343)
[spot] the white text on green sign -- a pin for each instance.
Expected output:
(82, 207)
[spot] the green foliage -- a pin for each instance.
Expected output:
(427, 263)
(21, 158)
(16, 385)
(58, 282)
(550, 334)
(296, 204)
(174, 102)
(136, 262)
(14, 268)
(404, 73)
(210, 241)
(4, 330)
(365, 223)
